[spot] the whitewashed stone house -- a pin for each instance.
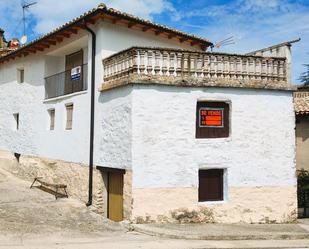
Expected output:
(179, 134)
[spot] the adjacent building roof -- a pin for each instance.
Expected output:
(282, 44)
(301, 101)
(107, 14)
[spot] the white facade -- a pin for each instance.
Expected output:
(259, 151)
(27, 99)
(151, 131)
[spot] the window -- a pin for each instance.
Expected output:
(20, 75)
(212, 120)
(51, 119)
(69, 123)
(16, 118)
(210, 185)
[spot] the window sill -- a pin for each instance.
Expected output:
(207, 140)
(212, 202)
(65, 96)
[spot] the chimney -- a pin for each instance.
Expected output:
(14, 43)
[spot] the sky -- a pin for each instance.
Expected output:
(254, 24)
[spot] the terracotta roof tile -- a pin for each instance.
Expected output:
(102, 9)
(301, 102)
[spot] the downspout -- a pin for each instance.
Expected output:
(92, 97)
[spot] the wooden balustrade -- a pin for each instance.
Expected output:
(171, 65)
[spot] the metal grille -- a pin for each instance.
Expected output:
(63, 83)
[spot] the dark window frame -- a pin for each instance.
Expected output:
(69, 116)
(52, 117)
(20, 75)
(213, 132)
(16, 118)
(211, 185)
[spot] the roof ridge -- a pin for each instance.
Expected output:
(103, 9)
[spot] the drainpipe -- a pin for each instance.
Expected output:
(93, 52)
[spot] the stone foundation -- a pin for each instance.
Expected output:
(244, 204)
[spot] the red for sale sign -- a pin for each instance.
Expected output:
(211, 117)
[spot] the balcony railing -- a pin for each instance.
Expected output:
(66, 82)
(179, 67)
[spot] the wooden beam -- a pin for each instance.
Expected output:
(115, 20)
(52, 42)
(158, 32)
(144, 29)
(193, 43)
(97, 17)
(65, 34)
(170, 36)
(59, 39)
(91, 21)
(31, 50)
(72, 30)
(39, 48)
(43, 45)
(78, 27)
(131, 24)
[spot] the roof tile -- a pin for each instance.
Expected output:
(301, 102)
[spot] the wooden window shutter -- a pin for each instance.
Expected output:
(210, 185)
(212, 120)
(69, 116)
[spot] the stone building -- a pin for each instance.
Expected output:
(179, 134)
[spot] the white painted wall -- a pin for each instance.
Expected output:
(113, 108)
(113, 134)
(112, 139)
(27, 99)
(259, 152)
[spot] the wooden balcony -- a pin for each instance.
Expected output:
(143, 65)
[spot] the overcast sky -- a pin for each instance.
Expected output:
(254, 24)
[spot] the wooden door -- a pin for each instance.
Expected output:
(71, 61)
(115, 196)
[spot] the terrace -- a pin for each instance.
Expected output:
(144, 65)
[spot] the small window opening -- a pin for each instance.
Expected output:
(69, 122)
(16, 117)
(210, 185)
(21, 75)
(51, 119)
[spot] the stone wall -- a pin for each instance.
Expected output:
(74, 175)
(245, 204)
